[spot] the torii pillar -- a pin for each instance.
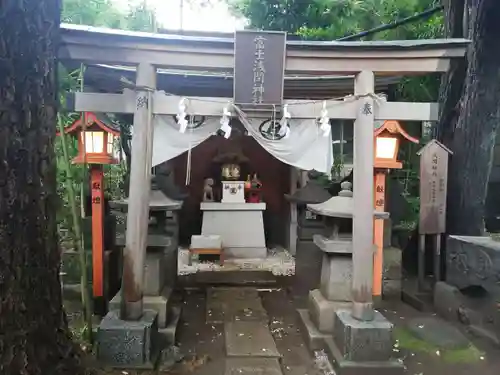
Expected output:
(129, 338)
(362, 337)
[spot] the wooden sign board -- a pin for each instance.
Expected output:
(259, 68)
(433, 187)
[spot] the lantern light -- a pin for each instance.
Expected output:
(387, 140)
(96, 143)
(386, 147)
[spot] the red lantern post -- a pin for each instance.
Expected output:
(387, 139)
(95, 147)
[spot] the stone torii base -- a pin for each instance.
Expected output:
(129, 344)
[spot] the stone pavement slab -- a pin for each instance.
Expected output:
(234, 304)
(252, 366)
(249, 339)
(438, 332)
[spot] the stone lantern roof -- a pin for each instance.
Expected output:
(312, 192)
(341, 206)
(158, 201)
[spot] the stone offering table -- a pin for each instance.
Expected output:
(241, 226)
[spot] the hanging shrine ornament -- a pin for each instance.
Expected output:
(182, 116)
(324, 121)
(284, 130)
(224, 123)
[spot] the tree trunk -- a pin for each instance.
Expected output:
(470, 116)
(34, 336)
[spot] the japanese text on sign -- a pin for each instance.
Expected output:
(433, 185)
(259, 70)
(434, 168)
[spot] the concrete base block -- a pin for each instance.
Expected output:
(206, 242)
(245, 252)
(360, 341)
(315, 340)
(346, 367)
(160, 304)
(322, 311)
(167, 334)
(128, 344)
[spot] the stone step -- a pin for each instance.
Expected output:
(168, 333)
(346, 367)
(234, 304)
(315, 340)
(254, 278)
(249, 339)
(252, 366)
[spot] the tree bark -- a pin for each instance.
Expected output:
(34, 336)
(470, 116)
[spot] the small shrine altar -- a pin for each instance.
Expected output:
(241, 226)
(238, 217)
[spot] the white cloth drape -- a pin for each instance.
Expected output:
(305, 148)
(168, 142)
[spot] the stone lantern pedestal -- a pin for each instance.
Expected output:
(354, 345)
(308, 256)
(136, 344)
(335, 285)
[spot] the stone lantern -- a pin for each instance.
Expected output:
(336, 272)
(312, 192)
(161, 259)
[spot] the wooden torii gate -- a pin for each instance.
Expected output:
(362, 59)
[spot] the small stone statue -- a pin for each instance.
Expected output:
(208, 191)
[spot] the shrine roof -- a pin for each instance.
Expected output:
(208, 53)
(228, 40)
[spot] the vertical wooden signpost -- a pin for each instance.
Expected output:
(433, 188)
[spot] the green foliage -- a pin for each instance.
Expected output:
(330, 20)
(102, 13)
(105, 13)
